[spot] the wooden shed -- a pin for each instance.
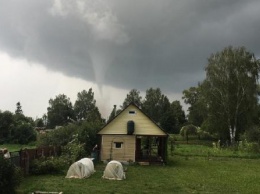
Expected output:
(133, 136)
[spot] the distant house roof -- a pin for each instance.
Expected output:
(144, 125)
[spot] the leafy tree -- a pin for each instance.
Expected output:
(157, 106)
(197, 110)
(168, 121)
(73, 135)
(88, 135)
(60, 111)
(179, 115)
(18, 108)
(166, 116)
(16, 128)
(85, 106)
(60, 136)
(152, 104)
(6, 124)
(23, 133)
(132, 97)
(230, 89)
(39, 122)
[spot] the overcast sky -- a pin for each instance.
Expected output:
(51, 47)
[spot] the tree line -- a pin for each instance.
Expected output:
(225, 104)
(16, 128)
(169, 115)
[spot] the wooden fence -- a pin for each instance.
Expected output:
(24, 157)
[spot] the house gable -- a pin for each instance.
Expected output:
(143, 124)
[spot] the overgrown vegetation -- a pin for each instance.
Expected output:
(10, 176)
(51, 165)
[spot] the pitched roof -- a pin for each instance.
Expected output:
(144, 125)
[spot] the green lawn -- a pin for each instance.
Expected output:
(16, 147)
(209, 151)
(181, 175)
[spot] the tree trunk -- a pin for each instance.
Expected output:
(232, 133)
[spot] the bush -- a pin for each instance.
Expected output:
(73, 152)
(88, 135)
(51, 165)
(250, 147)
(253, 135)
(10, 176)
(58, 137)
(204, 135)
(23, 133)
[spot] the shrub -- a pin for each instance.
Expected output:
(23, 133)
(253, 134)
(88, 135)
(10, 176)
(49, 165)
(58, 137)
(251, 147)
(73, 152)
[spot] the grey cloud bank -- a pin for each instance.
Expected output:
(126, 44)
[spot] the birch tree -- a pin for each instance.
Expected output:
(230, 88)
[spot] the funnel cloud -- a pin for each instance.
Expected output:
(125, 44)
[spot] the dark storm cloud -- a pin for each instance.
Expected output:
(142, 44)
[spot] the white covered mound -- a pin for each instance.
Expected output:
(114, 171)
(81, 169)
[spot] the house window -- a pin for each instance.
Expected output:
(132, 112)
(118, 144)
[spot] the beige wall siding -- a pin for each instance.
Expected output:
(125, 153)
(143, 125)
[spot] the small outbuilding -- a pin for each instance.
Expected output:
(133, 136)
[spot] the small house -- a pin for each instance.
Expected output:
(133, 136)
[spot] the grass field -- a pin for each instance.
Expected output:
(15, 147)
(183, 174)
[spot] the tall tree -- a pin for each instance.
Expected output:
(85, 106)
(132, 96)
(197, 109)
(157, 106)
(152, 103)
(6, 124)
(39, 122)
(60, 111)
(230, 88)
(179, 115)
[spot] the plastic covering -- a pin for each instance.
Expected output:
(114, 171)
(81, 169)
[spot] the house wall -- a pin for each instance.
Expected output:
(143, 125)
(125, 153)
